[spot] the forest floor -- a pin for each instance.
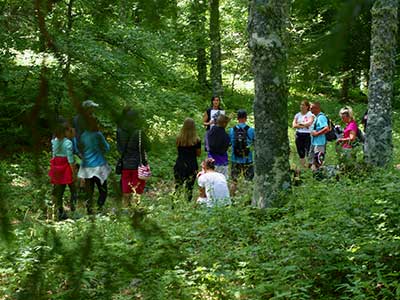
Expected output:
(336, 238)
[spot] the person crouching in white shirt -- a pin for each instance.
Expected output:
(213, 186)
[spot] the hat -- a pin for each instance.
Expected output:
(89, 103)
(241, 114)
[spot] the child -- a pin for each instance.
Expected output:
(189, 148)
(218, 144)
(62, 167)
(213, 186)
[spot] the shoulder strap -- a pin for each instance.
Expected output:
(126, 145)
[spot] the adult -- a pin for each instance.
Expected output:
(318, 140)
(242, 138)
(94, 168)
(132, 144)
(210, 116)
(351, 129)
(213, 186)
(80, 121)
(302, 122)
(189, 148)
(218, 144)
(347, 157)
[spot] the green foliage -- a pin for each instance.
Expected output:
(332, 240)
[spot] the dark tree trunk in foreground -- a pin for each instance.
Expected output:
(199, 9)
(215, 39)
(380, 91)
(267, 31)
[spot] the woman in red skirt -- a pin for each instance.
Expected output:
(62, 167)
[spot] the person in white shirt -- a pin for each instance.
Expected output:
(302, 122)
(213, 186)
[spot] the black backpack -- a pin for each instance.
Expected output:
(331, 134)
(240, 148)
(360, 136)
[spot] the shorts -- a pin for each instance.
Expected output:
(247, 170)
(317, 155)
(223, 170)
(131, 183)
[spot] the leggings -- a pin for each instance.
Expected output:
(303, 143)
(58, 192)
(89, 185)
(187, 184)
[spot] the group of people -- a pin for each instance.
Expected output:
(214, 175)
(84, 140)
(311, 127)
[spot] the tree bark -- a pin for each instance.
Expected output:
(267, 30)
(199, 9)
(379, 148)
(215, 39)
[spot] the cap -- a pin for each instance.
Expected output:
(89, 103)
(241, 113)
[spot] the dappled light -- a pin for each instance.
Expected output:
(211, 96)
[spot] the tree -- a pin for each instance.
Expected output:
(215, 39)
(198, 16)
(380, 92)
(267, 31)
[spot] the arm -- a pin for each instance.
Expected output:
(319, 132)
(70, 157)
(119, 144)
(202, 192)
(351, 138)
(206, 122)
(104, 146)
(295, 124)
(309, 123)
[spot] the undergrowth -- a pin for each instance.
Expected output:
(334, 239)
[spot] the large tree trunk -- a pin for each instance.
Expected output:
(267, 31)
(380, 91)
(199, 9)
(215, 39)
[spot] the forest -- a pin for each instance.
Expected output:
(290, 233)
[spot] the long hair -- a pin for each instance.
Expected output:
(306, 104)
(61, 126)
(219, 105)
(188, 135)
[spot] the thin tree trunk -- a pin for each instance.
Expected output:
(202, 68)
(379, 148)
(199, 9)
(267, 31)
(215, 39)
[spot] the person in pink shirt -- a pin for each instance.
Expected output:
(350, 131)
(347, 156)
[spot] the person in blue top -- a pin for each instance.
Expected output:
(242, 138)
(318, 140)
(94, 167)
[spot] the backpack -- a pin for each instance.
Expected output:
(240, 147)
(360, 136)
(331, 134)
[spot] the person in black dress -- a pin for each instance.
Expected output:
(189, 148)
